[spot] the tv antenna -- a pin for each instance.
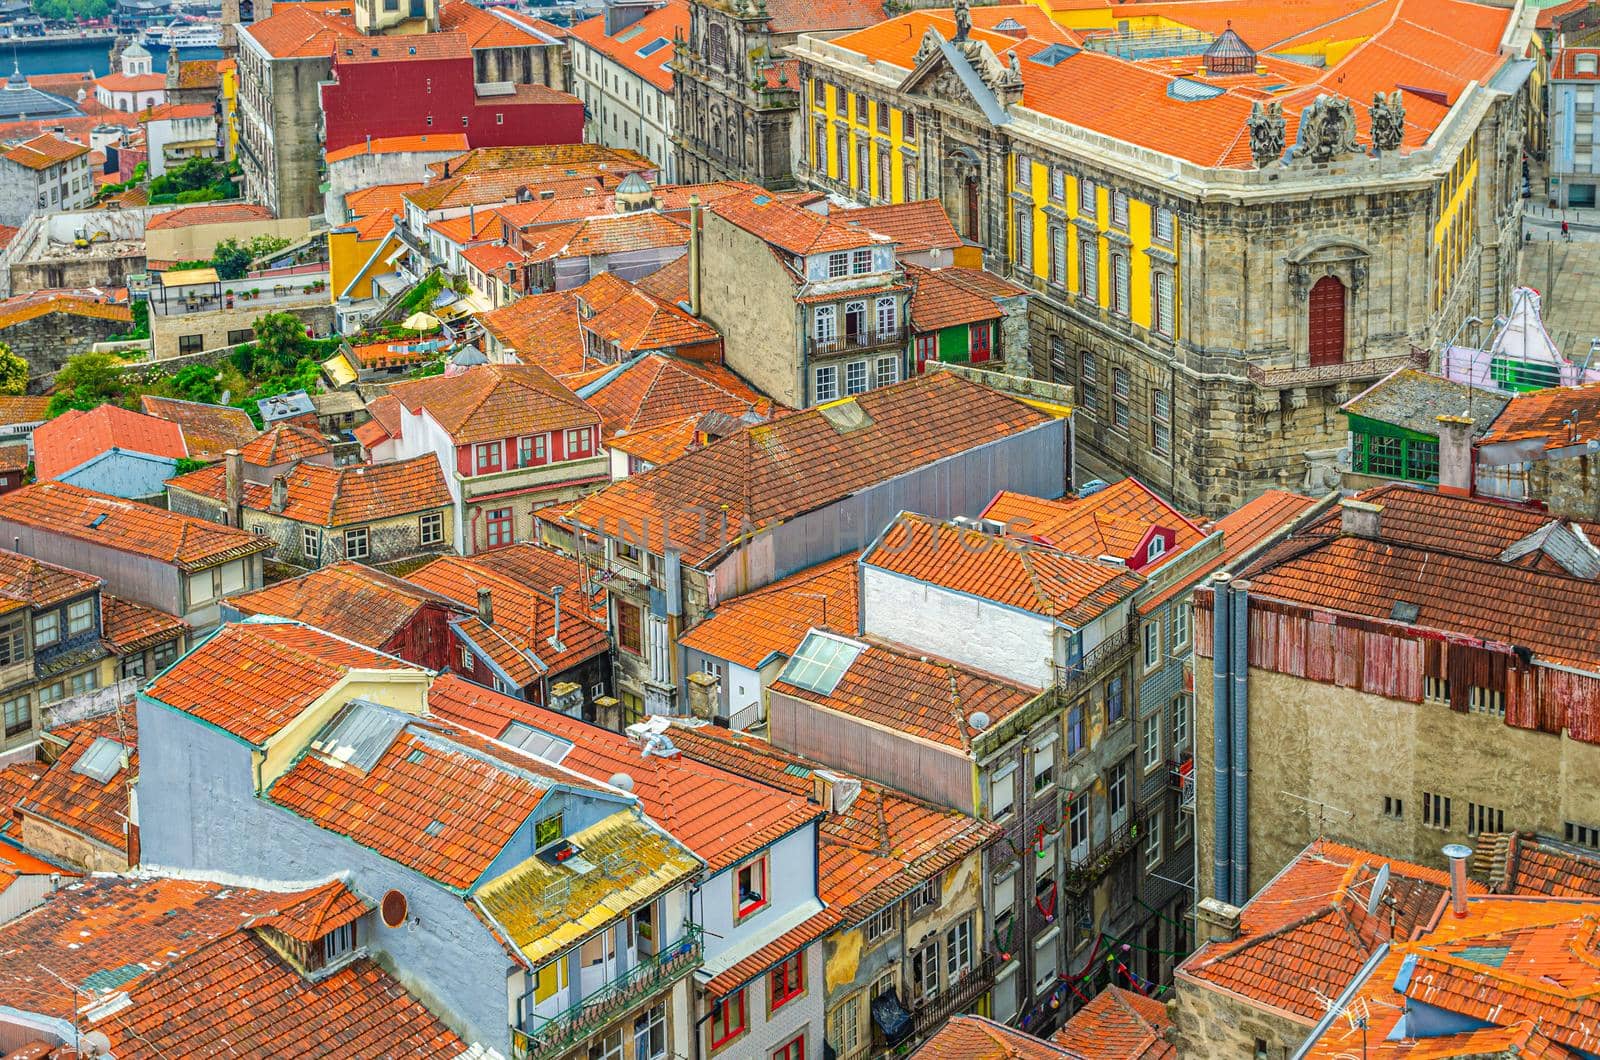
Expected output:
(1317, 812)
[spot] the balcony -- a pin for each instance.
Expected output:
(860, 340)
(1104, 657)
(1104, 855)
(1324, 374)
(560, 1033)
(963, 996)
(1183, 783)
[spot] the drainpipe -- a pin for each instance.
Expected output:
(1239, 669)
(1221, 727)
(694, 255)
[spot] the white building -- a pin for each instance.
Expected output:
(135, 85)
(621, 69)
(43, 175)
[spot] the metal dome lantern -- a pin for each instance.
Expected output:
(1229, 54)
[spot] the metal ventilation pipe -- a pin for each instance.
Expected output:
(1458, 856)
(1221, 727)
(1239, 706)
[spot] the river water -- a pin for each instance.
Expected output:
(76, 58)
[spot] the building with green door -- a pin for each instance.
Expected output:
(1394, 426)
(966, 316)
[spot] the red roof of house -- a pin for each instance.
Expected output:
(980, 1038)
(20, 408)
(196, 973)
(40, 584)
(518, 641)
(395, 145)
(1118, 1024)
(24, 307)
(336, 496)
(284, 443)
(657, 389)
(1524, 863)
(648, 49)
(76, 437)
(755, 628)
(129, 627)
(495, 401)
(80, 803)
(301, 31)
(792, 228)
(119, 82)
(7, 234)
(207, 214)
(380, 49)
(347, 599)
(1544, 414)
(253, 678)
(208, 430)
(177, 112)
(491, 28)
(720, 816)
(1565, 66)
(950, 297)
(199, 73)
(915, 227)
(1109, 522)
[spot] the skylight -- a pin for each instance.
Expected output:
(653, 47)
(629, 33)
(102, 761)
(820, 662)
(536, 742)
(1186, 90)
(1054, 54)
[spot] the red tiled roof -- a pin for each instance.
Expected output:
(177, 112)
(41, 584)
(806, 460)
(659, 27)
(210, 213)
(980, 1038)
(905, 690)
(1565, 66)
(28, 306)
(21, 408)
(394, 145)
(657, 389)
(524, 619)
(208, 430)
(14, 458)
(661, 444)
(168, 537)
(498, 28)
(1243, 530)
(1110, 522)
(196, 976)
(1523, 863)
(346, 599)
(377, 49)
(119, 82)
(301, 31)
(95, 809)
(814, 16)
(439, 799)
(914, 226)
(495, 401)
(751, 629)
(1542, 414)
(129, 627)
(877, 851)
(1118, 1024)
(1548, 15)
(792, 228)
(670, 283)
(541, 567)
(336, 496)
(284, 443)
(1305, 935)
(7, 234)
(76, 437)
(490, 258)
(1009, 571)
(609, 234)
(315, 913)
(720, 816)
(950, 297)
(253, 678)
(16, 781)
(199, 73)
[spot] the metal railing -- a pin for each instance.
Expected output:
(559, 1033)
(1183, 783)
(860, 340)
(1109, 653)
(1104, 855)
(929, 1015)
(1280, 378)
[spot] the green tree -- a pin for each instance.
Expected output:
(263, 245)
(232, 259)
(86, 381)
(195, 382)
(281, 343)
(13, 372)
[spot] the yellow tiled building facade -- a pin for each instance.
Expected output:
(1213, 296)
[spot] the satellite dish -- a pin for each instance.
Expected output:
(95, 1043)
(978, 720)
(1380, 885)
(622, 781)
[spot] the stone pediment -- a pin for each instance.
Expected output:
(965, 72)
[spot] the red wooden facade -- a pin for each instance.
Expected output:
(1392, 660)
(528, 450)
(426, 639)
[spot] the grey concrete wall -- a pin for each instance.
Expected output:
(213, 327)
(747, 296)
(46, 342)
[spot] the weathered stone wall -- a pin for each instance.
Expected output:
(1570, 487)
(1211, 1023)
(90, 270)
(62, 845)
(166, 332)
(748, 297)
(46, 342)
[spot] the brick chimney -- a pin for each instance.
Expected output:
(1360, 519)
(1218, 921)
(280, 493)
(485, 607)
(1455, 456)
(233, 461)
(702, 695)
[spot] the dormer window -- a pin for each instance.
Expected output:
(750, 888)
(861, 261)
(838, 265)
(338, 942)
(1157, 549)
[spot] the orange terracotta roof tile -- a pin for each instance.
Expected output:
(253, 678)
(1542, 414)
(28, 306)
(1110, 522)
(92, 808)
(804, 461)
(812, 16)
(915, 227)
(1118, 1024)
(300, 31)
(422, 46)
(168, 537)
(177, 112)
(980, 1038)
(793, 229)
(16, 781)
(284, 443)
(394, 145)
(718, 815)
(347, 599)
(543, 568)
(1243, 531)
(41, 584)
(491, 258)
(208, 214)
(661, 444)
(439, 799)
(195, 973)
(119, 82)
(495, 401)
(883, 846)
(1010, 571)
(76, 437)
(199, 73)
(496, 28)
(7, 234)
(336, 496)
(658, 389)
(22, 408)
(518, 642)
(670, 283)
(609, 234)
(905, 690)
(208, 430)
(310, 916)
(950, 297)
(129, 627)
(1523, 863)
(647, 51)
(45, 151)
(14, 458)
(755, 628)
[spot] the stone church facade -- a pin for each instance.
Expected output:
(1212, 315)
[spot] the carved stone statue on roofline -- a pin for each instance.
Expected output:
(1266, 126)
(1388, 119)
(1327, 131)
(963, 16)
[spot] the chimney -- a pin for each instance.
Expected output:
(694, 255)
(485, 607)
(1360, 519)
(1219, 921)
(280, 493)
(234, 479)
(1455, 455)
(1458, 856)
(555, 632)
(702, 695)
